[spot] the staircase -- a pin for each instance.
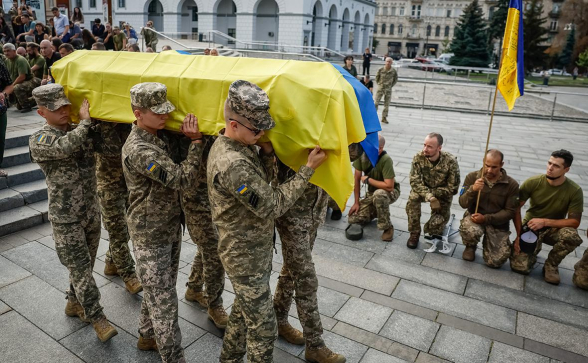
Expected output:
(23, 194)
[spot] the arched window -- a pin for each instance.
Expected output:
(391, 29)
(400, 28)
(375, 28)
(428, 30)
(383, 28)
(446, 31)
(437, 31)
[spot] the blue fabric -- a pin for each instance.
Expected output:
(518, 4)
(368, 113)
(183, 52)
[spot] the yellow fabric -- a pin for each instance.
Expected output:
(507, 82)
(311, 102)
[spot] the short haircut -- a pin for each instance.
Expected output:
(99, 46)
(56, 42)
(381, 141)
(166, 47)
(9, 46)
(140, 109)
(567, 157)
(54, 8)
(135, 47)
(33, 45)
(437, 136)
(97, 21)
(26, 16)
(347, 58)
(495, 152)
(67, 47)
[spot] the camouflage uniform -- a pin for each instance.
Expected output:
(153, 218)
(386, 79)
(298, 228)
(113, 193)
(150, 38)
(67, 159)
(244, 207)
(23, 92)
(499, 202)
(375, 205)
(428, 180)
(580, 278)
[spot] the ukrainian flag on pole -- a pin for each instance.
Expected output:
(511, 81)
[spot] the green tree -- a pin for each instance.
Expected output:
(470, 38)
(534, 33)
(496, 29)
(445, 45)
(583, 59)
(565, 58)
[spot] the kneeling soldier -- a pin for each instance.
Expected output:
(498, 204)
(382, 191)
(67, 159)
(580, 278)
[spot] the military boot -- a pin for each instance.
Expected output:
(323, 355)
(133, 285)
(413, 240)
(551, 274)
(110, 268)
(146, 344)
(469, 254)
(336, 215)
(384, 121)
(103, 329)
(74, 308)
(218, 316)
(388, 234)
(197, 296)
(291, 334)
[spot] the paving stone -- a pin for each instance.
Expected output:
(417, 273)
(410, 330)
(560, 335)
(398, 250)
(456, 305)
(4, 308)
(342, 253)
(47, 241)
(556, 354)
(205, 349)
(10, 272)
(188, 252)
(121, 348)
(505, 353)
(352, 350)
(198, 318)
(427, 358)
(375, 356)
(340, 286)
(371, 241)
(529, 303)
(460, 347)
(17, 335)
(481, 330)
(400, 305)
(562, 292)
(364, 314)
(103, 247)
(42, 304)
(356, 276)
(329, 301)
(474, 271)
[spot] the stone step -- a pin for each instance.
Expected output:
(24, 173)
(20, 218)
(16, 156)
(32, 192)
(43, 208)
(10, 199)
(18, 138)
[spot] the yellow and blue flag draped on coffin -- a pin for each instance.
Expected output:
(511, 81)
(311, 102)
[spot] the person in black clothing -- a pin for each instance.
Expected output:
(98, 29)
(88, 39)
(349, 67)
(6, 32)
(108, 39)
(367, 59)
(5, 81)
(40, 33)
(51, 57)
(367, 82)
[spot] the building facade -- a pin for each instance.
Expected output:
(341, 25)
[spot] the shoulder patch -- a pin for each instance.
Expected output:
(157, 171)
(45, 139)
(253, 198)
(462, 190)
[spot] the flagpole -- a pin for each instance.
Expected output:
(490, 127)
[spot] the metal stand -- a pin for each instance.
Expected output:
(444, 241)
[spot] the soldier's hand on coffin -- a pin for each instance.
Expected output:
(435, 204)
(478, 185)
(478, 218)
(266, 147)
(190, 127)
(85, 110)
(316, 157)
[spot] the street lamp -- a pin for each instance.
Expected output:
(427, 41)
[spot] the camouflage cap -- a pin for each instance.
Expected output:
(248, 100)
(153, 96)
(50, 96)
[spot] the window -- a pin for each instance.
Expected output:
(457, 13)
(401, 13)
(391, 29)
(78, 4)
(384, 11)
(449, 13)
(195, 13)
(400, 28)
(393, 11)
(431, 12)
(92, 3)
(491, 12)
(555, 8)
(437, 31)
(416, 11)
(553, 25)
(446, 31)
(121, 4)
(375, 28)
(383, 28)
(413, 30)
(428, 30)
